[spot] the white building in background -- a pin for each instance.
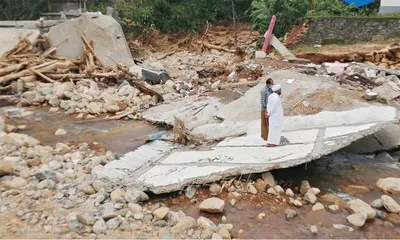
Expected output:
(389, 6)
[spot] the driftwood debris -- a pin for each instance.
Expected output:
(27, 62)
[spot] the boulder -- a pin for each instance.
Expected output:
(389, 185)
(212, 205)
(390, 204)
(314, 191)
(318, 207)
(358, 206)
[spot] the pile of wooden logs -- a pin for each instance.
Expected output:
(27, 62)
(388, 57)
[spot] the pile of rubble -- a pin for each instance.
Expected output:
(388, 57)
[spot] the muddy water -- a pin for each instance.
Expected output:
(110, 134)
(331, 174)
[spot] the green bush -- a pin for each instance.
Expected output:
(22, 9)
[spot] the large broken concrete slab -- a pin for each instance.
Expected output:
(309, 138)
(109, 41)
(9, 38)
(194, 111)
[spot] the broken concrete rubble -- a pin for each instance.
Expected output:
(9, 38)
(110, 44)
(309, 138)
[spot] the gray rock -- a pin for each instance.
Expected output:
(113, 223)
(86, 218)
(183, 225)
(290, 213)
(147, 218)
(76, 226)
(47, 174)
(87, 189)
(101, 196)
(46, 184)
(206, 223)
(98, 184)
(343, 227)
(134, 195)
(54, 165)
(109, 215)
(122, 212)
(100, 227)
(160, 223)
(190, 192)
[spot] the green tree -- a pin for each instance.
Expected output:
(287, 12)
(22, 9)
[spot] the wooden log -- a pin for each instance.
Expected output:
(12, 68)
(219, 48)
(91, 49)
(147, 90)
(42, 75)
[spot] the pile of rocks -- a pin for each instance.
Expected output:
(86, 98)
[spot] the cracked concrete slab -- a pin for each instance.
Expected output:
(9, 38)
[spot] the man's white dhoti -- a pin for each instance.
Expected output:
(274, 135)
(275, 113)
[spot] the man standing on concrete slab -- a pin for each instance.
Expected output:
(275, 117)
(264, 102)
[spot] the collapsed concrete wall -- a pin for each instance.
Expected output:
(109, 41)
(9, 38)
(345, 30)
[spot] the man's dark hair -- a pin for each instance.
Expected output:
(269, 81)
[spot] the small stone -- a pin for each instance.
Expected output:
(289, 192)
(135, 208)
(5, 168)
(206, 223)
(389, 185)
(260, 185)
(234, 195)
(318, 206)
(343, 227)
(314, 230)
(212, 205)
(233, 202)
(223, 219)
(46, 184)
(290, 213)
(76, 226)
(53, 110)
(134, 195)
(190, 192)
(117, 195)
(17, 183)
(183, 225)
(390, 204)
(113, 223)
(268, 179)
(240, 231)
(33, 162)
(215, 188)
(295, 202)
(387, 224)
(251, 189)
(224, 233)
(86, 218)
(271, 191)
(311, 198)
(357, 219)
(279, 189)
(88, 189)
(61, 132)
(304, 187)
(261, 215)
(55, 165)
(314, 191)
(333, 208)
(160, 223)
(161, 213)
(138, 216)
(109, 215)
(377, 203)
(216, 236)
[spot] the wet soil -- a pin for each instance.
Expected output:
(331, 174)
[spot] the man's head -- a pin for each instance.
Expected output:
(270, 82)
(277, 89)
